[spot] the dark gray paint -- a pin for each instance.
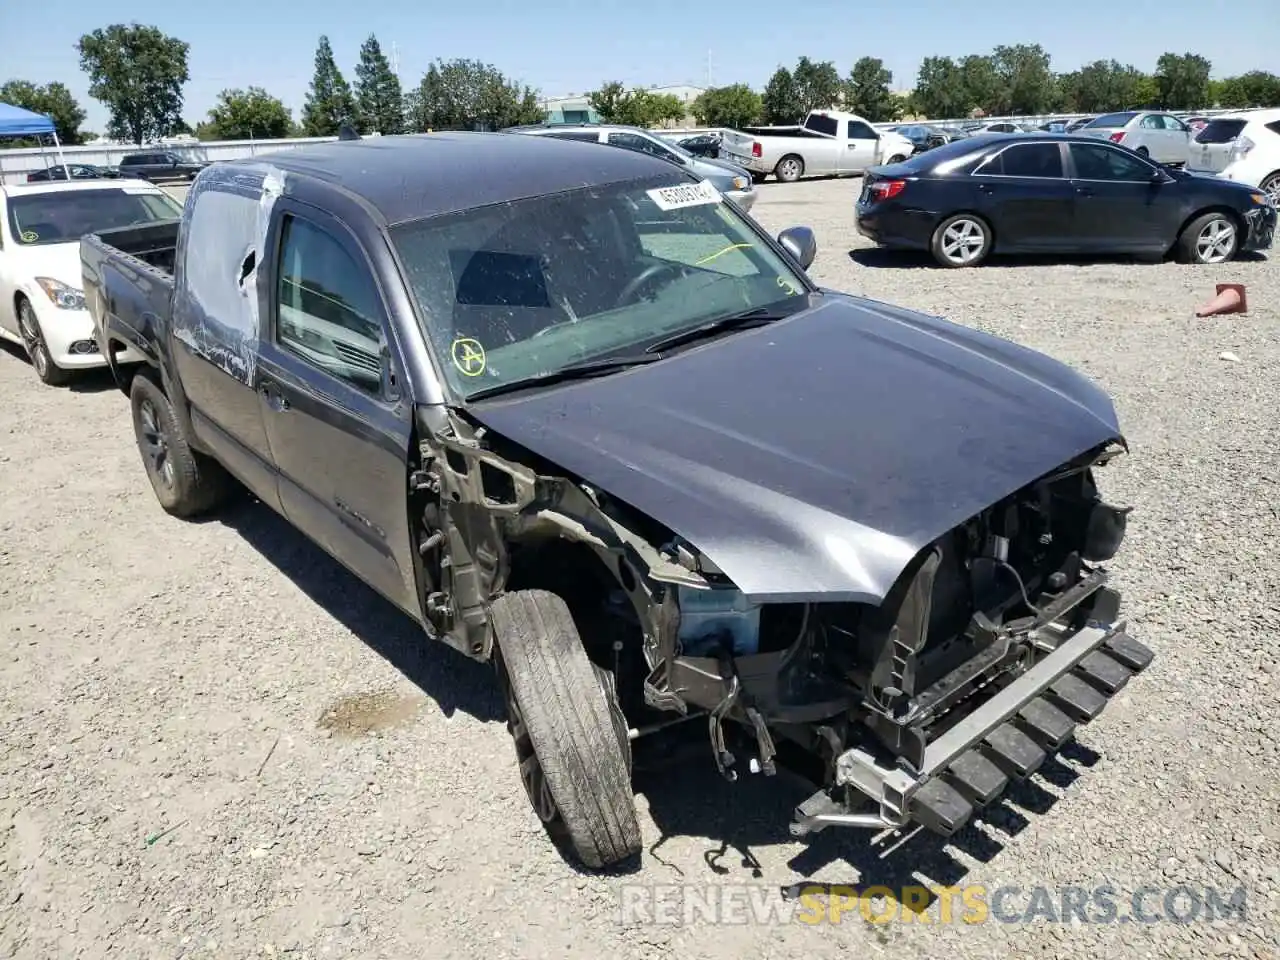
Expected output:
(814, 457)
(424, 175)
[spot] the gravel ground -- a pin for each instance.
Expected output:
(217, 743)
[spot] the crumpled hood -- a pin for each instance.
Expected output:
(812, 458)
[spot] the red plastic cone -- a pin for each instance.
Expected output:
(1230, 299)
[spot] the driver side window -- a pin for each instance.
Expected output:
(327, 307)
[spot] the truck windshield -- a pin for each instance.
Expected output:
(65, 216)
(527, 288)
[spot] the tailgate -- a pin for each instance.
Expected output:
(735, 146)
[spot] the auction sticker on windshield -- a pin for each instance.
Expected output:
(684, 195)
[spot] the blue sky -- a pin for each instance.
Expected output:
(562, 47)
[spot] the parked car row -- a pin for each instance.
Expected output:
(557, 402)
(153, 165)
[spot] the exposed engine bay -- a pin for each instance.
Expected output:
(974, 611)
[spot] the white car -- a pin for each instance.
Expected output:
(41, 304)
(1244, 147)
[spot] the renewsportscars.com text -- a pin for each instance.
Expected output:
(693, 904)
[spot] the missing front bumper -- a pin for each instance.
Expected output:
(1008, 737)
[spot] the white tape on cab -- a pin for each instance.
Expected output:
(684, 195)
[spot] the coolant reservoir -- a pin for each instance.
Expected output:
(707, 615)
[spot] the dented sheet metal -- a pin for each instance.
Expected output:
(216, 295)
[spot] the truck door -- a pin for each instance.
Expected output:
(328, 382)
(859, 148)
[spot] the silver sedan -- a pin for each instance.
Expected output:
(1161, 136)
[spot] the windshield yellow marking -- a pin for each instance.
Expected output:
(468, 356)
(788, 286)
(30, 236)
(721, 253)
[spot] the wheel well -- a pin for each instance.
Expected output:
(595, 596)
(789, 156)
(1273, 173)
(1227, 211)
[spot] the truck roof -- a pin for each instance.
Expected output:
(414, 176)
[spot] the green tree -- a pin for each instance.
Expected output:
(1101, 86)
(251, 114)
(378, 93)
(781, 103)
(53, 100)
(1027, 84)
(138, 73)
(1183, 81)
(733, 106)
(980, 84)
(329, 101)
(1257, 88)
(868, 94)
(817, 84)
(939, 91)
(608, 101)
(466, 94)
(1146, 92)
(637, 108)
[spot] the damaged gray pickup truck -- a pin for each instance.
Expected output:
(578, 416)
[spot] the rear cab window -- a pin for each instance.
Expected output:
(821, 123)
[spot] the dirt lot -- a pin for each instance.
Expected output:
(217, 743)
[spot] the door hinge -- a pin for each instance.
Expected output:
(420, 480)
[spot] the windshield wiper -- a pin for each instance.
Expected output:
(748, 318)
(581, 370)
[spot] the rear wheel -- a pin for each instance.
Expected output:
(570, 734)
(789, 169)
(185, 482)
(963, 240)
(37, 350)
(1212, 238)
(1143, 152)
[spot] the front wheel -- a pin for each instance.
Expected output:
(37, 350)
(1212, 238)
(570, 734)
(963, 240)
(185, 482)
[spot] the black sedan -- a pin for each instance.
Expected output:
(1056, 193)
(79, 171)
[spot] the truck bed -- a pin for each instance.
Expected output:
(155, 244)
(128, 282)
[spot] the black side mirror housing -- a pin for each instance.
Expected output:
(801, 243)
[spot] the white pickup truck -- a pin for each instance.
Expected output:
(827, 143)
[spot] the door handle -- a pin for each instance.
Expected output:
(1084, 191)
(986, 188)
(275, 399)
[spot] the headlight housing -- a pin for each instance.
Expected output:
(741, 183)
(63, 296)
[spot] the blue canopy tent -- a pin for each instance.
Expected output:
(16, 122)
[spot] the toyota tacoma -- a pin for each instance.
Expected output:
(579, 416)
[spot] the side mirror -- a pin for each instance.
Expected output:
(801, 244)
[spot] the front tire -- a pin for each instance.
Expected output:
(1209, 239)
(569, 733)
(186, 483)
(33, 341)
(962, 240)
